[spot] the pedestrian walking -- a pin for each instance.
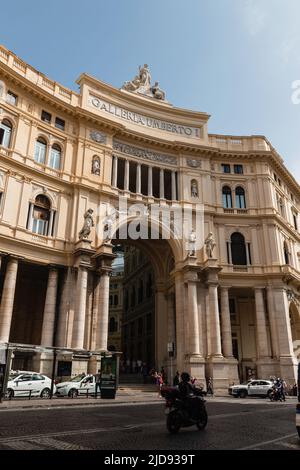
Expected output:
(210, 386)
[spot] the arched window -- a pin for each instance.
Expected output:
(227, 197)
(41, 215)
(55, 157)
(5, 133)
(286, 253)
(240, 201)
(40, 150)
(113, 325)
(238, 249)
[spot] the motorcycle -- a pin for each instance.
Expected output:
(276, 394)
(182, 413)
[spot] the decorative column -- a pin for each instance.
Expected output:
(80, 307)
(161, 184)
(50, 309)
(150, 190)
(261, 325)
(216, 349)
(103, 312)
(8, 296)
(272, 320)
(64, 311)
(138, 178)
(126, 176)
(174, 196)
(226, 323)
(193, 318)
(288, 361)
(180, 322)
(115, 171)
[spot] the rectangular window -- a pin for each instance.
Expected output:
(225, 168)
(11, 98)
(295, 221)
(60, 124)
(238, 169)
(46, 117)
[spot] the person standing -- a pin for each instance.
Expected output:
(210, 386)
(98, 383)
(176, 379)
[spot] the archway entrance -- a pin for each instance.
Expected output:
(142, 319)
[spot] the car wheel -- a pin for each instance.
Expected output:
(45, 393)
(243, 394)
(73, 393)
(298, 429)
(9, 393)
(269, 394)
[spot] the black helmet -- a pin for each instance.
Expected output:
(185, 377)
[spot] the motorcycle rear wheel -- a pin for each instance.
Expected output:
(202, 422)
(173, 424)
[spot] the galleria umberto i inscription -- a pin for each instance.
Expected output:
(142, 120)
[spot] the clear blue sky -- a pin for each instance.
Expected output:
(235, 59)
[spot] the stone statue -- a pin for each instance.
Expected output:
(142, 84)
(144, 75)
(96, 166)
(157, 92)
(194, 189)
(209, 245)
(88, 223)
(192, 243)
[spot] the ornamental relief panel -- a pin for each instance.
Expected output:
(144, 153)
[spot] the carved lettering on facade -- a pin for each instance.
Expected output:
(144, 153)
(185, 131)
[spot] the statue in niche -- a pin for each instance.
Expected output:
(88, 224)
(96, 166)
(1, 88)
(192, 243)
(209, 245)
(194, 188)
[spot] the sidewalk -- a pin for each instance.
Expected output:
(121, 397)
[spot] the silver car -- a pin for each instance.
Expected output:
(258, 388)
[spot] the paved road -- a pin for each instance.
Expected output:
(233, 424)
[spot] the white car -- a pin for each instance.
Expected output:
(260, 388)
(78, 385)
(23, 384)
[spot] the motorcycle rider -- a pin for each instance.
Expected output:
(189, 394)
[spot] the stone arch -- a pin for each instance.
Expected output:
(295, 327)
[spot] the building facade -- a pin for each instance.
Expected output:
(64, 154)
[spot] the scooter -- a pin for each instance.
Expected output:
(184, 413)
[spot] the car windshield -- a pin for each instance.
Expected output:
(13, 376)
(78, 378)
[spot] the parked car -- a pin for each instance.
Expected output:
(78, 385)
(24, 383)
(260, 388)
